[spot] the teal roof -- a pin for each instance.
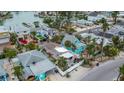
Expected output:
(73, 40)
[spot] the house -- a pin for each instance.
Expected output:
(21, 31)
(98, 39)
(82, 22)
(115, 30)
(3, 74)
(80, 47)
(96, 18)
(36, 64)
(4, 35)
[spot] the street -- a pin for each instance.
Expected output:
(105, 72)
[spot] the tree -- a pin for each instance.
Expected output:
(116, 40)
(106, 50)
(2, 56)
(62, 63)
(121, 73)
(104, 24)
(90, 50)
(33, 33)
(105, 27)
(113, 51)
(81, 16)
(67, 44)
(48, 20)
(57, 38)
(114, 15)
(31, 46)
(13, 38)
(18, 71)
(20, 48)
(61, 20)
(9, 53)
(110, 51)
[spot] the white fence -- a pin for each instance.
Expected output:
(63, 73)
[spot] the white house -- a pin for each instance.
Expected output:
(4, 35)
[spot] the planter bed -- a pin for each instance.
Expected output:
(63, 73)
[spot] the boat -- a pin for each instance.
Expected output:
(26, 24)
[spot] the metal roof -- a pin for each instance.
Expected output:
(42, 63)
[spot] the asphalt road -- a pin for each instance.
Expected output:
(105, 72)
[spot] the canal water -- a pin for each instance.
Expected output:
(22, 17)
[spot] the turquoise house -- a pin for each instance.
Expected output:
(80, 47)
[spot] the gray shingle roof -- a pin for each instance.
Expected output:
(2, 70)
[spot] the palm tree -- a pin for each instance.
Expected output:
(105, 27)
(33, 33)
(113, 51)
(13, 38)
(110, 51)
(121, 73)
(90, 50)
(114, 15)
(18, 71)
(115, 40)
(57, 38)
(62, 63)
(19, 48)
(9, 53)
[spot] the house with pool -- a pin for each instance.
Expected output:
(44, 33)
(35, 64)
(77, 46)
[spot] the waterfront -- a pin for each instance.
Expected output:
(22, 17)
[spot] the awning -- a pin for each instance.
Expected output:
(61, 49)
(67, 55)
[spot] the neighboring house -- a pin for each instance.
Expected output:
(3, 13)
(82, 22)
(96, 18)
(35, 63)
(4, 35)
(3, 74)
(121, 14)
(115, 30)
(98, 39)
(80, 47)
(22, 31)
